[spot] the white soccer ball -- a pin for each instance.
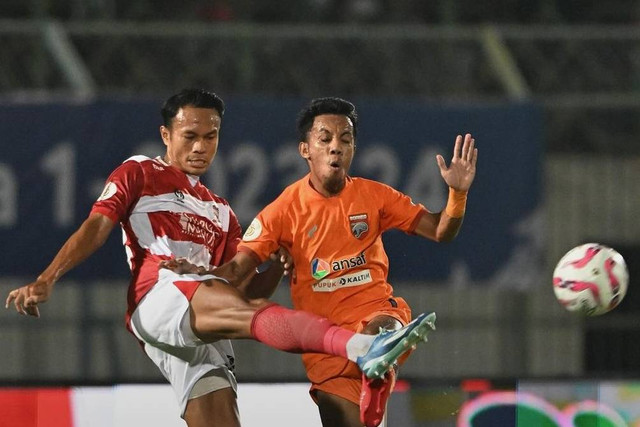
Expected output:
(590, 279)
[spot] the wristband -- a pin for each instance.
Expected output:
(456, 203)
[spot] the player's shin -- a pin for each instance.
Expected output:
(300, 332)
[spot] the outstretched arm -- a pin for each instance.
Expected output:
(241, 272)
(444, 226)
(85, 241)
(264, 284)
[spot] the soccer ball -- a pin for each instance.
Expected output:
(590, 279)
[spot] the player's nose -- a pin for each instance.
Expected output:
(199, 146)
(335, 147)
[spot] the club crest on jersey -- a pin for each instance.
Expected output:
(179, 195)
(319, 268)
(359, 225)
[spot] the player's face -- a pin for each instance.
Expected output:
(192, 139)
(329, 151)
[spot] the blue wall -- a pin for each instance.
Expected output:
(56, 157)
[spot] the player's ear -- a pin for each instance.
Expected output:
(164, 133)
(303, 149)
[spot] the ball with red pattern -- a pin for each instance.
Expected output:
(590, 279)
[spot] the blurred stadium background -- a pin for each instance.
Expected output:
(551, 88)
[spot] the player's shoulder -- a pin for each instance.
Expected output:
(286, 201)
(292, 191)
(148, 165)
(215, 197)
(372, 190)
(146, 161)
(139, 158)
(366, 183)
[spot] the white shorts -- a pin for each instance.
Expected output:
(162, 322)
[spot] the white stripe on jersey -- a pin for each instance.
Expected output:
(189, 204)
(193, 252)
(163, 245)
(141, 226)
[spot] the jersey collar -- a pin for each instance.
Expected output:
(193, 179)
(314, 193)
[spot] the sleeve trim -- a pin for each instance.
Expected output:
(106, 212)
(416, 220)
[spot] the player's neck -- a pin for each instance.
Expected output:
(327, 190)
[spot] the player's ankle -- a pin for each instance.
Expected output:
(358, 346)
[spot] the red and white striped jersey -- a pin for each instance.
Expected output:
(165, 213)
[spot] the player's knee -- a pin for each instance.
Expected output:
(259, 303)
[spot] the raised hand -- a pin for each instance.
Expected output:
(27, 298)
(462, 170)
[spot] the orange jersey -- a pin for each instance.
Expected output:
(341, 266)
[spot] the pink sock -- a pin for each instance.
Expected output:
(298, 331)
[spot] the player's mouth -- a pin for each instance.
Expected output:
(197, 163)
(335, 165)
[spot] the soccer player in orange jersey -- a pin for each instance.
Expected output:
(331, 223)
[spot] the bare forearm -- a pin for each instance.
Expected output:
(448, 227)
(238, 270)
(85, 241)
(264, 284)
(439, 226)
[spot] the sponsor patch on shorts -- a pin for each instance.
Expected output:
(353, 279)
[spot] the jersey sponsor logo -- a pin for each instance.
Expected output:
(359, 224)
(156, 167)
(348, 280)
(319, 268)
(346, 263)
(200, 229)
(253, 231)
(109, 190)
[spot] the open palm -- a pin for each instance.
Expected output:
(460, 173)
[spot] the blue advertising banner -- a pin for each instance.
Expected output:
(57, 156)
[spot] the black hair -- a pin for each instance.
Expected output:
(319, 106)
(198, 98)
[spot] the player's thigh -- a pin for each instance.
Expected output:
(336, 411)
(218, 408)
(220, 311)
